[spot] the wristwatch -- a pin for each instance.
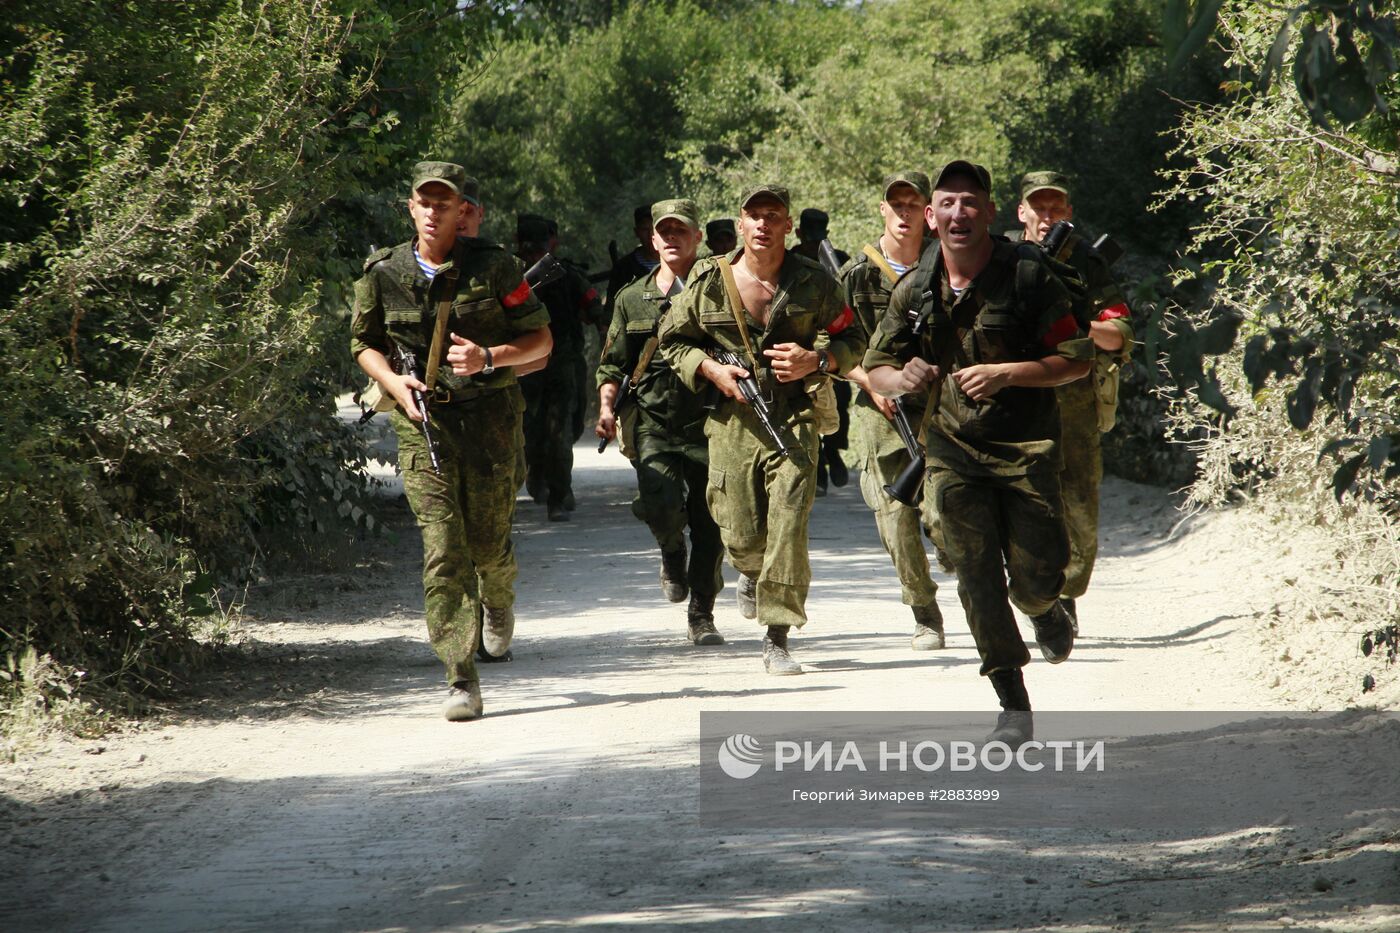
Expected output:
(490, 367)
(823, 361)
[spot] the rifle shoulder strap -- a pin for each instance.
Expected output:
(880, 262)
(736, 305)
(649, 348)
(444, 310)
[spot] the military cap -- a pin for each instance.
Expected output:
(447, 173)
(916, 180)
(764, 190)
(812, 222)
(682, 209)
(977, 172)
(1031, 182)
(531, 228)
(720, 227)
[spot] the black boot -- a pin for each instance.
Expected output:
(673, 576)
(700, 620)
(1014, 724)
(835, 466)
(1054, 633)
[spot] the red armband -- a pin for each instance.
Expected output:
(588, 298)
(1117, 311)
(1063, 329)
(843, 320)
(517, 297)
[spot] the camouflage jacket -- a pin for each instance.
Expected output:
(666, 406)
(1001, 320)
(395, 303)
(867, 290)
(806, 310)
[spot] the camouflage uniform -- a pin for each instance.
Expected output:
(993, 466)
(867, 292)
(666, 429)
(1079, 420)
(464, 514)
(554, 396)
(761, 501)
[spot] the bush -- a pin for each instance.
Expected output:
(184, 190)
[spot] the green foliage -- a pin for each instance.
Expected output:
(584, 123)
(1345, 55)
(186, 188)
(1302, 219)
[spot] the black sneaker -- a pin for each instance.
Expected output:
(1054, 633)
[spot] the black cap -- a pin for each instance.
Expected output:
(812, 222)
(725, 225)
(972, 170)
(641, 216)
(531, 228)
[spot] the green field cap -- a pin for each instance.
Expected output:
(682, 209)
(916, 180)
(448, 173)
(1032, 182)
(970, 169)
(772, 191)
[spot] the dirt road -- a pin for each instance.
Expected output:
(311, 784)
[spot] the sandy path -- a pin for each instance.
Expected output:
(313, 786)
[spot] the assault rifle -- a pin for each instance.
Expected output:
(406, 364)
(546, 270)
(827, 254)
(748, 387)
(624, 391)
(1057, 240)
(908, 487)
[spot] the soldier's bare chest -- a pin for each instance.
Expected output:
(756, 294)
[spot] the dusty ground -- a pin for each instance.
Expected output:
(312, 785)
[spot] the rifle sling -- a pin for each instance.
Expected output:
(444, 310)
(649, 348)
(880, 262)
(736, 305)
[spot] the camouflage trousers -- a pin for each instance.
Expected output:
(898, 525)
(671, 495)
(552, 403)
(464, 516)
(762, 504)
(1005, 537)
(1080, 480)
